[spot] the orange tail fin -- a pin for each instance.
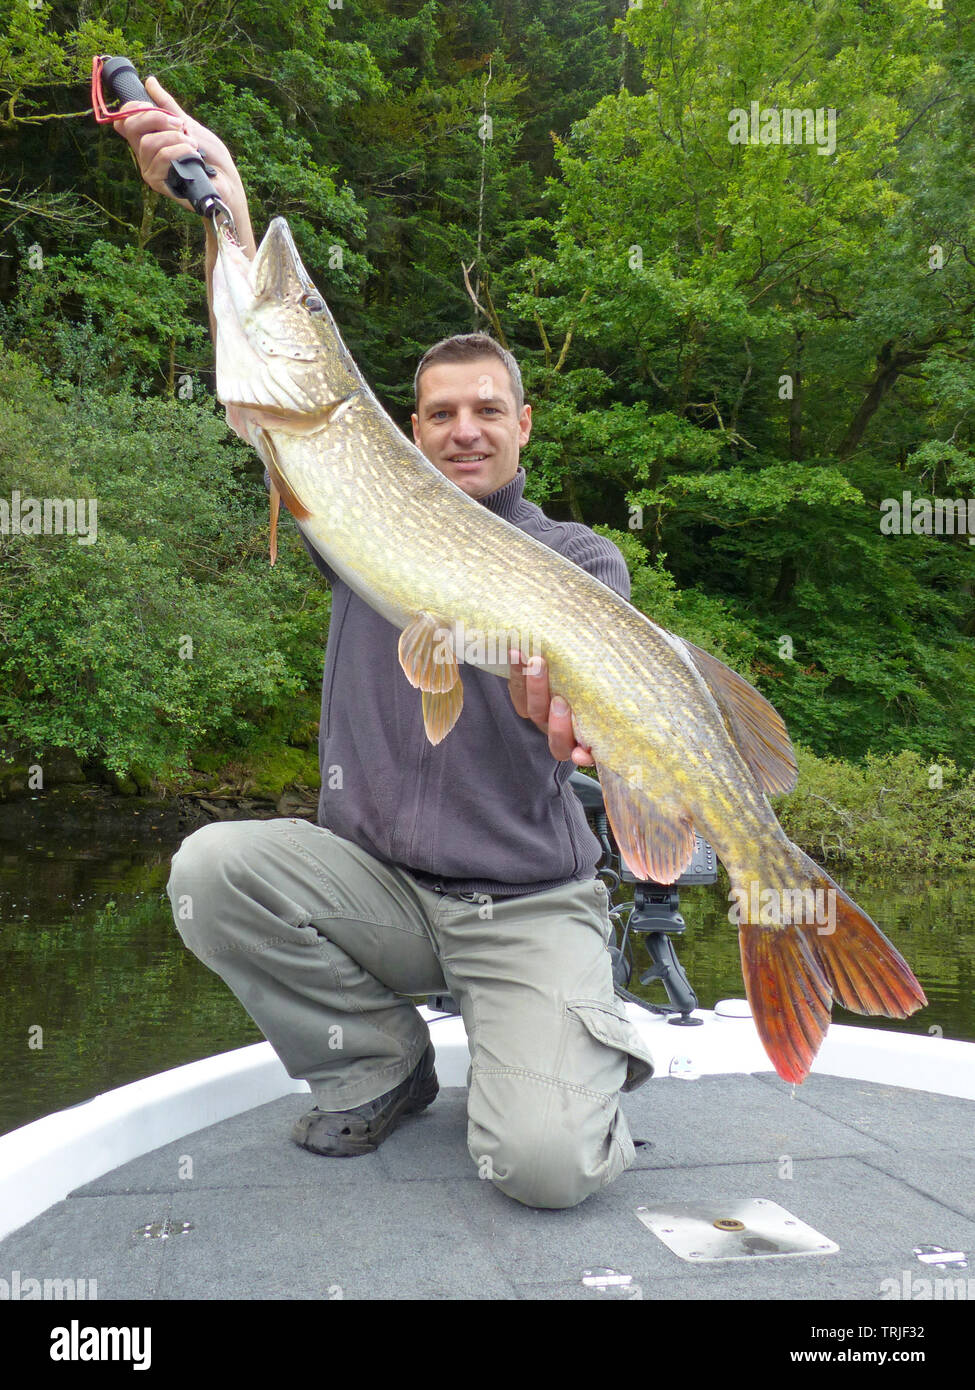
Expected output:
(820, 948)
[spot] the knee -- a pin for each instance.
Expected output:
(206, 854)
(547, 1157)
(538, 1175)
(210, 862)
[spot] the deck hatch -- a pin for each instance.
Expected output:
(742, 1228)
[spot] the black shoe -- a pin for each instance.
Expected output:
(348, 1133)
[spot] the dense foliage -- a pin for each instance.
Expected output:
(168, 628)
(735, 351)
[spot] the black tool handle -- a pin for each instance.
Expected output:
(124, 81)
(189, 176)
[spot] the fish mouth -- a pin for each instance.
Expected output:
(276, 275)
(275, 279)
(278, 272)
(267, 340)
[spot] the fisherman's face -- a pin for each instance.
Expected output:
(467, 424)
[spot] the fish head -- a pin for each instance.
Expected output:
(280, 357)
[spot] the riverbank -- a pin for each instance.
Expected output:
(896, 811)
(275, 773)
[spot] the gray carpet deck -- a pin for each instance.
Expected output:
(876, 1169)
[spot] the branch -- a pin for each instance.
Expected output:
(541, 327)
(50, 206)
(470, 290)
(742, 389)
(495, 320)
(50, 116)
(491, 314)
(568, 337)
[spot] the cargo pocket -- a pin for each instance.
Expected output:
(608, 1024)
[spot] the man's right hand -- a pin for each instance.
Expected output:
(159, 137)
(532, 698)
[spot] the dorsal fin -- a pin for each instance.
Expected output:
(757, 729)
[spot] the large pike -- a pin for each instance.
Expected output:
(680, 741)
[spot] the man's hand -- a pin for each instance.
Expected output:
(532, 699)
(159, 137)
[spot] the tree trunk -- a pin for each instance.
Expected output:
(786, 582)
(891, 361)
(795, 405)
(575, 510)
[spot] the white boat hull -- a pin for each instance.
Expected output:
(42, 1162)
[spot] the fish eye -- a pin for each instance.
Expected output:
(314, 304)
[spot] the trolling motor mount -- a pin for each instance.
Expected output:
(654, 915)
(656, 918)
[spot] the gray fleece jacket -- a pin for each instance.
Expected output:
(486, 811)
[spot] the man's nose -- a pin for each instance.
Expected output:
(466, 427)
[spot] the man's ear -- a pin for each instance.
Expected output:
(416, 429)
(524, 425)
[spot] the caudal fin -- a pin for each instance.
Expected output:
(804, 944)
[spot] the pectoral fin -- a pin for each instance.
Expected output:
(426, 654)
(264, 445)
(656, 838)
(441, 712)
(280, 488)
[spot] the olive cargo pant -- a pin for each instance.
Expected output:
(319, 941)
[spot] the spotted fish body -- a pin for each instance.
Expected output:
(681, 742)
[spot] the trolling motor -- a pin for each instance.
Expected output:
(189, 176)
(655, 914)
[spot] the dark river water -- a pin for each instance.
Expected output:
(98, 990)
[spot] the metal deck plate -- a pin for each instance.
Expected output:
(747, 1228)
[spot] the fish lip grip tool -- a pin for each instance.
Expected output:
(189, 176)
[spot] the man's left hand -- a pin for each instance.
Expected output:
(532, 698)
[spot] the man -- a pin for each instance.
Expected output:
(465, 866)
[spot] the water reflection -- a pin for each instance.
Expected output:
(98, 990)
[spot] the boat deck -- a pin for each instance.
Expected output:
(877, 1169)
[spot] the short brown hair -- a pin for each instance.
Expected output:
(464, 347)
